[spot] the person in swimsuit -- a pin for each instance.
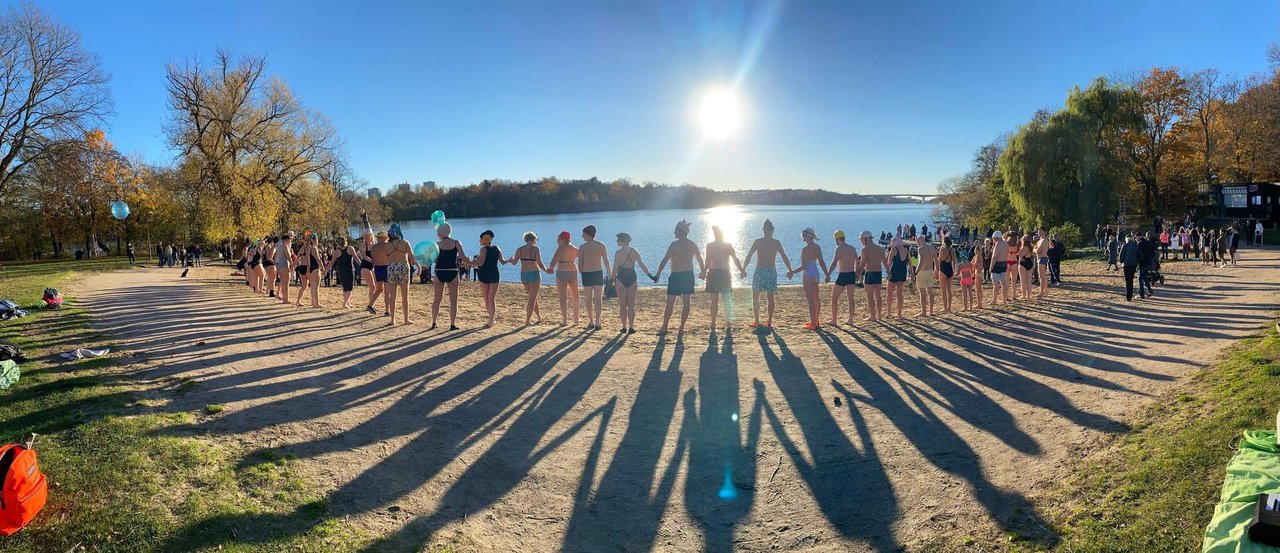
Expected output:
(253, 269)
(269, 266)
(844, 262)
(871, 264)
(898, 262)
(1014, 241)
(979, 259)
(400, 266)
(926, 271)
(966, 283)
(593, 260)
(284, 265)
(564, 264)
(486, 263)
(530, 259)
(719, 277)
(365, 253)
(1042, 256)
(810, 261)
(378, 255)
(1026, 264)
(448, 263)
(765, 278)
(946, 270)
(999, 269)
(309, 269)
(343, 264)
(625, 259)
(681, 253)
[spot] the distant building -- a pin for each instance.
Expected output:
(404, 188)
(374, 192)
(1242, 200)
(429, 185)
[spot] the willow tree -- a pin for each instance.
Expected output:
(1069, 166)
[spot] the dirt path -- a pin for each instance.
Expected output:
(532, 439)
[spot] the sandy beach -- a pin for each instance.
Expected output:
(904, 434)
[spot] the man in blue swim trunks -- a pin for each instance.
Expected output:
(681, 254)
(872, 266)
(765, 278)
(379, 256)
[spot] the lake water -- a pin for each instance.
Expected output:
(651, 230)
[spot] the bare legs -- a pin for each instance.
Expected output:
(946, 293)
(1024, 277)
(627, 307)
(490, 292)
(595, 305)
(815, 305)
(531, 304)
(666, 315)
(283, 272)
(375, 287)
(895, 293)
(727, 298)
(453, 303)
(873, 301)
(847, 291)
(271, 280)
(1044, 279)
(565, 288)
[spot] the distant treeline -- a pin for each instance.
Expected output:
(551, 195)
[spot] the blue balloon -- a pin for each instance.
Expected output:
(437, 217)
(120, 210)
(426, 251)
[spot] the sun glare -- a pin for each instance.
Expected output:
(719, 114)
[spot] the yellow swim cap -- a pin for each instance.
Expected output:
(839, 234)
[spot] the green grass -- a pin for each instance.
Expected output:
(125, 478)
(1155, 489)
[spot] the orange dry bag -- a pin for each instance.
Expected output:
(23, 488)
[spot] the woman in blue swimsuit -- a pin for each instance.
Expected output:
(529, 256)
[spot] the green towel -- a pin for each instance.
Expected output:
(8, 373)
(1253, 471)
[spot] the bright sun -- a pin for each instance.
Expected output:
(719, 114)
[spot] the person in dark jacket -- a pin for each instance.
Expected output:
(1130, 258)
(1149, 260)
(1057, 250)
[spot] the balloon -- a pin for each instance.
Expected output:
(120, 210)
(426, 251)
(437, 217)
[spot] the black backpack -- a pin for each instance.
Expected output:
(10, 351)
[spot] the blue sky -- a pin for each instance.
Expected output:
(852, 96)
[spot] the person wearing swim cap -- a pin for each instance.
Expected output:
(449, 263)
(844, 262)
(926, 274)
(999, 268)
(378, 254)
(593, 261)
(564, 264)
(810, 263)
(872, 264)
(625, 261)
(765, 278)
(681, 253)
(719, 277)
(899, 264)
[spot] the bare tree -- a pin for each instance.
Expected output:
(51, 88)
(1208, 95)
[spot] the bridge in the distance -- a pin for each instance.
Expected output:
(922, 198)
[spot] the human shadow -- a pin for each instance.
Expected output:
(626, 509)
(914, 417)
(850, 485)
(513, 455)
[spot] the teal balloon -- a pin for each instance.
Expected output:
(426, 251)
(437, 217)
(120, 210)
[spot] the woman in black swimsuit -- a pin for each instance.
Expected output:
(625, 259)
(486, 264)
(448, 263)
(1026, 261)
(529, 256)
(254, 270)
(366, 267)
(269, 266)
(946, 269)
(309, 268)
(344, 265)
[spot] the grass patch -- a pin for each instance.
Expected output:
(126, 478)
(214, 408)
(1155, 489)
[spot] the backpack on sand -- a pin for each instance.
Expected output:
(23, 488)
